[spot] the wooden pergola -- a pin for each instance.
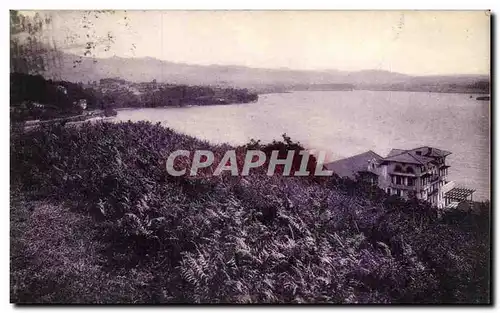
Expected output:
(459, 194)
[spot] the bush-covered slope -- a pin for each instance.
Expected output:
(147, 237)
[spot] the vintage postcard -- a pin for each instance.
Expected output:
(162, 157)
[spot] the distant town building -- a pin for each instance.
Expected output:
(62, 89)
(82, 103)
(38, 105)
(421, 172)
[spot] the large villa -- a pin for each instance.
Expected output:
(422, 172)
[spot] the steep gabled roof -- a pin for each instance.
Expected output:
(395, 152)
(352, 165)
(421, 155)
(435, 152)
(409, 157)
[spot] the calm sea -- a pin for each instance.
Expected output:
(345, 123)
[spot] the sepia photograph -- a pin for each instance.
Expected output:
(250, 156)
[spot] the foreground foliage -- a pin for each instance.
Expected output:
(121, 230)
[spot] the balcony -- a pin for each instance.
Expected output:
(432, 192)
(433, 178)
(401, 186)
(448, 186)
(395, 173)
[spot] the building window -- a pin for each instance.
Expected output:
(410, 181)
(410, 170)
(398, 168)
(398, 192)
(398, 180)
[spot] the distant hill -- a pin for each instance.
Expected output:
(76, 69)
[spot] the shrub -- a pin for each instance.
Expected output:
(245, 240)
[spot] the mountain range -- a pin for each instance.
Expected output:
(81, 69)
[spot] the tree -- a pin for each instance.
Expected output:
(27, 49)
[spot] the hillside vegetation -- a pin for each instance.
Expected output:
(95, 219)
(34, 97)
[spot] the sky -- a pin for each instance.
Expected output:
(409, 42)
